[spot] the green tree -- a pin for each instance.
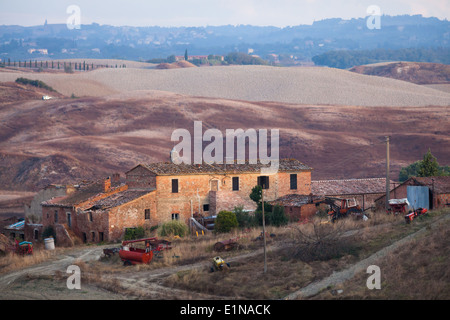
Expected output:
(256, 194)
(225, 222)
(409, 171)
(186, 57)
(429, 166)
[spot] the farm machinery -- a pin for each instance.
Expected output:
(414, 214)
(142, 250)
(219, 264)
(340, 208)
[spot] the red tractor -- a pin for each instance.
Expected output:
(340, 208)
(141, 250)
(414, 214)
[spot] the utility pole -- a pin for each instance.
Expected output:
(387, 173)
(264, 227)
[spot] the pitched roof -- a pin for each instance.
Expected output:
(169, 168)
(348, 186)
(440, 184)
(293, 200)
(83, 193)
(116, 199)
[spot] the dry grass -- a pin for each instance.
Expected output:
(11, 261)
(417, 271)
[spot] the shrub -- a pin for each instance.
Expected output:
(244, 219)
(278, 217)
(173, 228)
(134, 233)
(35, 83)
(225, 222)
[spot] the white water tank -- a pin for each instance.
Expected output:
(49, 244)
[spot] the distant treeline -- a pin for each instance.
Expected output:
(233, 58)
(344, 59)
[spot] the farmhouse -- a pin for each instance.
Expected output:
(421, 192)
(159, 192)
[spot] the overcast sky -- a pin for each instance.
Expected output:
(278, 13)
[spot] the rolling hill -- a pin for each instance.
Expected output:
(308, 85)
(65, 140)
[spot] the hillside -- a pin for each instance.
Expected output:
(93, 137)
(307, 85)
(415, 72)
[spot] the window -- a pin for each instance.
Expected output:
(90, 216)
(36, 234)
(147, 214)
(235, 183)
(263, 181)
(293, 181)
(174, 185)
(56, 216)
(214, 185)
(175, 216)
(69, 220)
(206, 207)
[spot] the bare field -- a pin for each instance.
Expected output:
(95, 136)
(306, 85)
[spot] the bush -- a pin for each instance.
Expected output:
(173, 228)
(244, 219)
(35, 83)
(278, 217)
(225, 222)
(134, 233)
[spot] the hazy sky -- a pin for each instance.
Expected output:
(279, 13)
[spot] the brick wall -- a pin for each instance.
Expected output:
(195, 189)
(131, 214)
(140, 178)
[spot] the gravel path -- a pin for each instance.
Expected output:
(342, 276)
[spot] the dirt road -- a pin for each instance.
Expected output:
(39, 281)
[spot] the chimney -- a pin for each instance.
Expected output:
(115, 178)
(107, 184)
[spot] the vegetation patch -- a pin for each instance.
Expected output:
(35, 83)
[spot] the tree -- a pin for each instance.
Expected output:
(186, 57)
(409, 171)
(429, 166)
(256, 194)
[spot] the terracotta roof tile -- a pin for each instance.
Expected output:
(169, 168)
(348, 186)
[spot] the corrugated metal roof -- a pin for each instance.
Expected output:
(16, 226)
